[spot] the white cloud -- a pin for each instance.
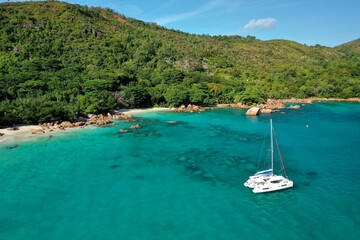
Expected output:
(261, 23)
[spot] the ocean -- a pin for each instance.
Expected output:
(181, 175)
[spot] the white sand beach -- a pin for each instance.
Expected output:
(19, 133)
(23, 132)
(141, 110)
(20, 129)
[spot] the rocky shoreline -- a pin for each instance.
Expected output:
(19, 131)
(188, 108)
(272, 105)
(23, 132)
(98, 120)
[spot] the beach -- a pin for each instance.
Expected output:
(29, 132)
(18, 133)
(25, 132)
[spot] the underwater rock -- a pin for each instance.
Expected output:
(12, 146)
(123, 130)
(191, 161)
(114, 166)
(192, 168)
(131, 120)
(136, 126)
(312, 174)
(109, 125)
(208, 175)
(199, 172)
(182, 159)
(229, 163)
(140, 134)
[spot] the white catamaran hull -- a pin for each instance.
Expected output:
(259, 177)
(266, 181)
(269, 186)
(255, 180)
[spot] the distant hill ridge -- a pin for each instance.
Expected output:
(60, 61)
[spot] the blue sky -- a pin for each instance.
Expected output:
(329, 23)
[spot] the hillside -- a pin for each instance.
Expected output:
(351, 48)
(59, 61)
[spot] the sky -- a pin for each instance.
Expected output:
(328, 23)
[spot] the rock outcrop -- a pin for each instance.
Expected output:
(266, 110)
(136, 126)
(294, 106)
(188, 108)
(253, 111)
(92, 119)
(271, 105)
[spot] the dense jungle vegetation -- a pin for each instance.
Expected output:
(59, 61)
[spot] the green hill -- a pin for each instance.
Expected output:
(59, 61)
(351, 48)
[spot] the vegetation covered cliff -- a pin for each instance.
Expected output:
(59, 61)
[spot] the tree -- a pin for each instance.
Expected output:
(199, 94)
(252, 95)
(137, 96)
(157, 94)
(176, 95)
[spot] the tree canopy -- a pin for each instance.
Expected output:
(59, 61)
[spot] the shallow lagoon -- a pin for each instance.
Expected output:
(185, 180)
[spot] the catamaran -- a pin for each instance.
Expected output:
(265, 180)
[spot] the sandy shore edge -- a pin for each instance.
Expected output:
(24, 131)
(141, 110)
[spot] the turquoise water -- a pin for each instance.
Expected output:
(185, 180)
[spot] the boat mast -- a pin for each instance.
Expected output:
(272, 145)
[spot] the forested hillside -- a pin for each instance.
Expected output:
(59, 61)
